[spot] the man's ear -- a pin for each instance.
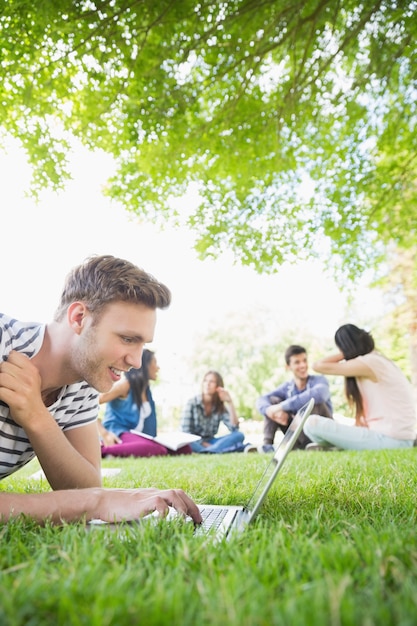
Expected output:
(76, 314)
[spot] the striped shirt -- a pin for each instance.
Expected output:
(76, 405)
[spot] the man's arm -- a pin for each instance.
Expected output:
(318, 389)
(109, 505)
(70, 460)
(274, 397)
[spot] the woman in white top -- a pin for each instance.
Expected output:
(381, 395)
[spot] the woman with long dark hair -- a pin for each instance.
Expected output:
(130, 406)
(377, 390)
(203, 414)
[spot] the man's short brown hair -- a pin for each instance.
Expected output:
(100, 280)
(293, 350)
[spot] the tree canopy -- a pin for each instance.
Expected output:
(296, 120)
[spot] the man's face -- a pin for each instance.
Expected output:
(114, 344)
(298, 365)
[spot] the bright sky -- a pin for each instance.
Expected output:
(41, 243)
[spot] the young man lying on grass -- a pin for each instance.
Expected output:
(50, 376)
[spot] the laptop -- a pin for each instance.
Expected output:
(223, 521)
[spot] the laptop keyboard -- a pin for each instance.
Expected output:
(212, 518)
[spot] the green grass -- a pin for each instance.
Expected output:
(335, 544)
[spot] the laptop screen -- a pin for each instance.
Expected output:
(278, 459)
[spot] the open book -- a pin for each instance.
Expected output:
(173, 441)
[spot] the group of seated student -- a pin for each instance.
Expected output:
(51, 376)
(130, 406)
(378, 391)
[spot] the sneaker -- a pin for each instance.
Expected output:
(320, 447)
(250, 447)
(266, 448)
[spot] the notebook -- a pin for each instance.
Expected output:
(223, 521)
(172, 440)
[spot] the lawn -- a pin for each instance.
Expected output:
(335, 545)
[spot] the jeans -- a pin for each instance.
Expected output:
(330, 432)
(219, 444)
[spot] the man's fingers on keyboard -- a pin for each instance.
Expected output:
(183, 504)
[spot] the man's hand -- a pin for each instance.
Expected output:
(116, 505)
(69, 459)
(20, 388)
(275, 413)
